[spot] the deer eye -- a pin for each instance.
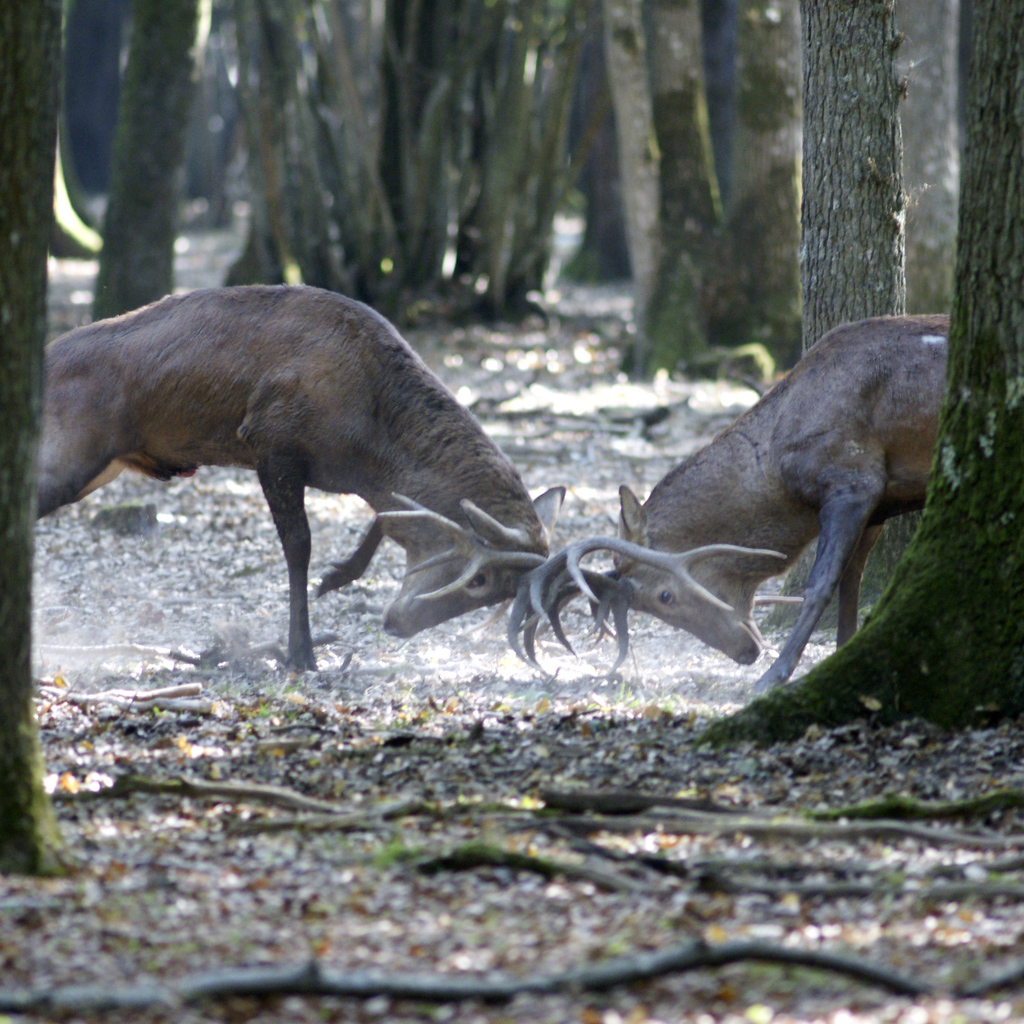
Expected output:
(478, 582)
(666, 597)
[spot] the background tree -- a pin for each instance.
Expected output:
(392, 161)
(946, 642)
(639, 155)
(30, 58)
(853, 202)
(690, 209)
(931, 165)
(699, 279)
(762, 296)
(602, 254)
(137, 260)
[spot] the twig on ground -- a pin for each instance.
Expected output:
(476, 854)
(238, 792)
(167, 698)
(624, 801)
(341, 821)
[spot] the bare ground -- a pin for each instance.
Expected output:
(446, 739)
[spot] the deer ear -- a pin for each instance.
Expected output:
(547, 506)
(632, 518)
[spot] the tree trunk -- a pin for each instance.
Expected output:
(690, 207)
(719, 30)
(853, 204)
(946, 641)
(30, 57)
(603, 254)
(764, 214)
(931, 165)
(137, 260)
(288, 234)
(626, 54)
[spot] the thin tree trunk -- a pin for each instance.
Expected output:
(931, 164)
(603, 254)
(690, 204)
(853, 203)
(30, 57)
(764, 214)
(946, 641)
(137, 260)
(626, 54)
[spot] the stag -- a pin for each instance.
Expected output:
(309, 389)
(842, 443)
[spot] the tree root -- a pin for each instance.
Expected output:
(476, 854)
(311, 979)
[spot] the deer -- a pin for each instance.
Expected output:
(309, 389)
(840, 444)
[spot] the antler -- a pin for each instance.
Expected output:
(676, 563)
(544, 589)
(547, 588)
(465, 544)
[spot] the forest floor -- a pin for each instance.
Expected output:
(450, 832)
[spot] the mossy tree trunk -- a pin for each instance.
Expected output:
(946, 642)
(763, 217)
(690, 207)
(931, 166)
(30, 56)
(853, 203)
(137, 260)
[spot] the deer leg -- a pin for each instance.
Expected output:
(843, 519)
(284, 488)
(343, 573)
(849, 584)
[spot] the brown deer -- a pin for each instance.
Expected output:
(839, 445)
(309, 389)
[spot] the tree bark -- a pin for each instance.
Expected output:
(690, 206)
(764, 212)
(946, 641)
(137, 260)
(30, 57)
(931, 165)
(603, 255)
(639, 160)
(853, 203)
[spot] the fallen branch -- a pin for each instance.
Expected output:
(168, 698)
(717, 882)
(104, 650)
(476, 854)
(311, 979)
(905, 808)
(344, 821)
(698, 823)
(624, 801)
(238, 792)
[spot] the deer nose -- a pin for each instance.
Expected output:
(397, 621)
